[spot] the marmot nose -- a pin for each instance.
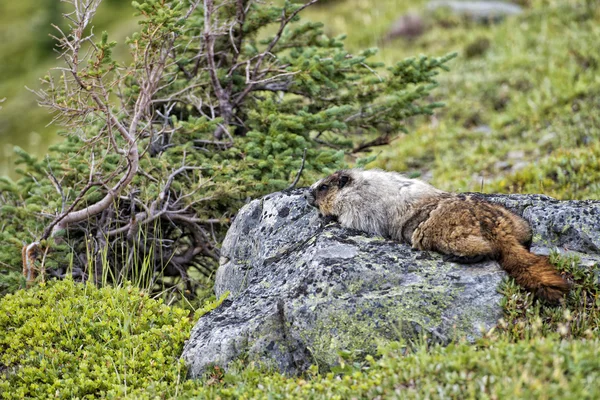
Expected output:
(310, 199)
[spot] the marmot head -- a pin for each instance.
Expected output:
(323, 193)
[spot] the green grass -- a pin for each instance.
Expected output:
(71, 340)
(539, 368)
(520, 112)
(67, 340)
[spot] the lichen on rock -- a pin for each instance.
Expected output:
(303, 290)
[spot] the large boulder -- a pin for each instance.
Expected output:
(302, 290)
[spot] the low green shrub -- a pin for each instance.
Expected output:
(10, 281)
(544, 368)
(70, 340)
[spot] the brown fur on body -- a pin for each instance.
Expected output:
(462, 227)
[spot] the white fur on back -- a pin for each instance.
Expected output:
(378, 201)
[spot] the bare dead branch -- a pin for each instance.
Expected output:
(226, 109)
(283, 23)
(379, 141)
(295, 182)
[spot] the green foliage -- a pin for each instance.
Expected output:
(540, 368)
(578, 318)
(73, 340)
(566, 174)
(521, 85)
(234, 123)
(521, 93)
(10, 281)
(70, 340)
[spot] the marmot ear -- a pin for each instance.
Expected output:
(343, 180)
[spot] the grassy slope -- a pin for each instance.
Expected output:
(521, 112)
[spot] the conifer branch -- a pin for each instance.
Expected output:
(165, 149)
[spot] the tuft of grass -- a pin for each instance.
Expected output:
(565, 174)
(538, 368)
(577, 318)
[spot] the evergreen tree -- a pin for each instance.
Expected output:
(221, 101)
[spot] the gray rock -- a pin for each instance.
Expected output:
(515, 154)
(409, 26)
(569, 227)
(485, 129)
(412, 25)
(302, 290)
(480, 11)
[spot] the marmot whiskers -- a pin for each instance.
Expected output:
(463, 227)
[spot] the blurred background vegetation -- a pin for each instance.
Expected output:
(522, 96)
(26, 51)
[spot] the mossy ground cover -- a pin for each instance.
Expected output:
(70, 340)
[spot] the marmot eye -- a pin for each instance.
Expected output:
(323, 187)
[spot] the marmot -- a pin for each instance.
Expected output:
(463, 227)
